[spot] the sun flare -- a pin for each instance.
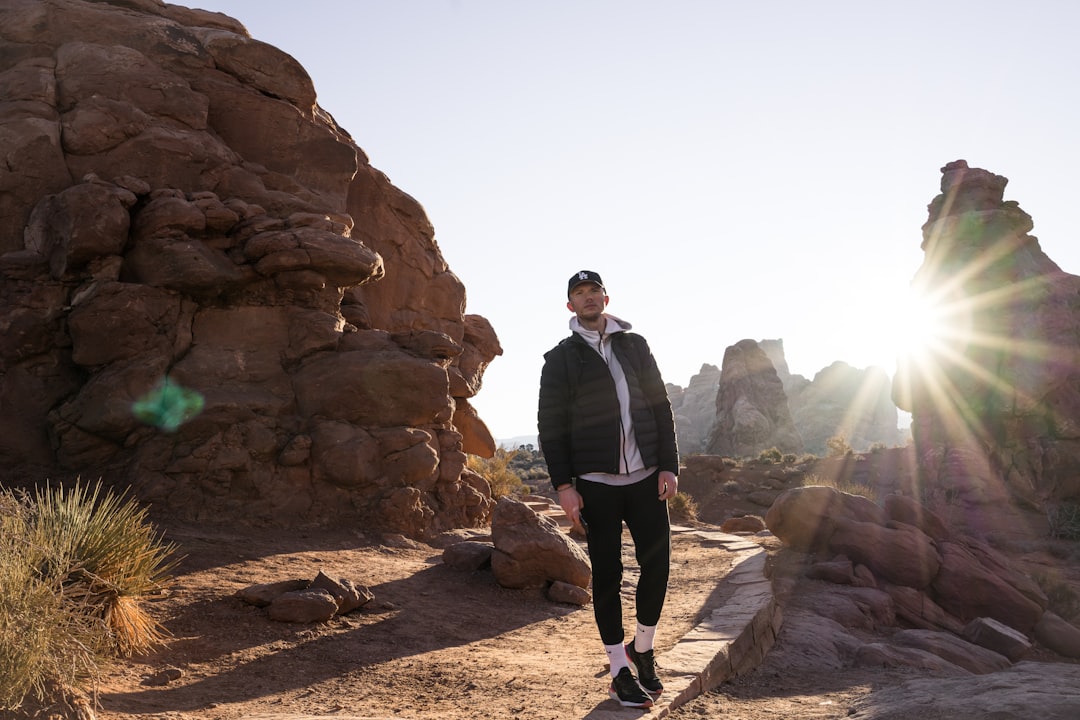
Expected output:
(927, 325)
(912, 328)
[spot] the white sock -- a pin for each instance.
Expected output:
(644, 637)
(616, 655)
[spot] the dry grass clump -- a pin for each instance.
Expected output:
(37, 639)
(683, 508)
(500, 474)
(73, 565)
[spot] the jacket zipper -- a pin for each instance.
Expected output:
(623, 463)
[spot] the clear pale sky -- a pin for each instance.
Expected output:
(733, 169)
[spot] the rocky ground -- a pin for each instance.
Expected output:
(442, 643)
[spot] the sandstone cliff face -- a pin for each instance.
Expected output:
(695, 409)
(995, 402)
(175, 204)
(751, 408)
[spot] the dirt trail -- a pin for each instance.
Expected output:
(434, 643)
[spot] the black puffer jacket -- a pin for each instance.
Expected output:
(578, 416)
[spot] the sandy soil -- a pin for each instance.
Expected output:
(434, 643)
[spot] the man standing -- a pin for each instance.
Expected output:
(608, 436)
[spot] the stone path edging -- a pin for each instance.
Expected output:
(734, 638)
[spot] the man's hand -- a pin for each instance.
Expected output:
(668, 485)
(571, 503)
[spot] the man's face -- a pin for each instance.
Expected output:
(587, 301)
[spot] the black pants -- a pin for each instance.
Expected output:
(606, 507)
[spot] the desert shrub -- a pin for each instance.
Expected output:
(837, 446)
(878, 448)
(73, 567)
(788, 459)
(533, 476)
(528, 464)
(1064, 520)
(683, 507)
(772, 455)
(811, 479)
(497, 470)
(729, 461)
(107, 556)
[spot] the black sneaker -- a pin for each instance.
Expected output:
(646, 669)
(626, 689)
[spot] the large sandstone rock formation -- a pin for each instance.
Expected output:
(751, 408)
(174, 204)
(995, 402)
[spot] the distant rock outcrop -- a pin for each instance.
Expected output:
(176, 206)
(995, 400)
(751, 408)
(695, 409)
(774, 350)
(840, 401)
(848, 402)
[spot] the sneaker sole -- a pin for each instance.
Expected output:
(628, 703)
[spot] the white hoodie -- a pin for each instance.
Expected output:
(631, 466)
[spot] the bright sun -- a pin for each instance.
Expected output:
(925, 324)
(911, 328)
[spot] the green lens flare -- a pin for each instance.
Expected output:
(168, 406)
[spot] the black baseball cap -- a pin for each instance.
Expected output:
(584, 276)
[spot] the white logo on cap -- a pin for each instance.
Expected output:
(583, 275)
